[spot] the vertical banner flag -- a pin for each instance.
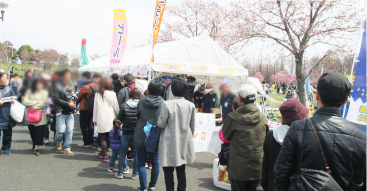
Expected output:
(83, 54)
(158, 15)
(357, 112)
(119, 36)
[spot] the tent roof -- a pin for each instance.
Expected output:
(193, 56)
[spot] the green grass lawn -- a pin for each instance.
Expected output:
(280, 98)
(22, 68)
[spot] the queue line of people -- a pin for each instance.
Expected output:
(252, 149)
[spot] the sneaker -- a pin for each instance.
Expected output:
(150, 166)
(47, 141)
(109, 149)
(83, 145)
(119, 176)
(36, 152)
(6, 151)
(58, 147)
(100, 155)
(99, 149)
(140, 189)
(146, 165)
(151, 188)
(106, 159)
(126, 171)
(68, 152)
(135, 176)
(95, 139)
(110, 169)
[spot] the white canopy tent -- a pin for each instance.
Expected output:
(200, 57)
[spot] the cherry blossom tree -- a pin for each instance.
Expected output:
(296, 26)
(259, 76)
(283, 76)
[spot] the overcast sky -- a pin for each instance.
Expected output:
(61, 24)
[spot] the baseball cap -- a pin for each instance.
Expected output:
(166, 78)
(225, 82)
(15, 84)
(334, 87)
(191, 79)
(202, 87)
(247, 90)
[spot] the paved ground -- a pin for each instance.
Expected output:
(84, 171)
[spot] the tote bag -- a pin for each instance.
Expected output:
(17, 112)
(311, 179)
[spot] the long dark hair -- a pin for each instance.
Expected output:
(34, 83)
(116, 126)
(104, 84)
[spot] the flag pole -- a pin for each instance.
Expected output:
(360, 36)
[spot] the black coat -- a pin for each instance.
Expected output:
(271, 151)
(344, 145)
(60, 99)
(128, 117)
(209, 102)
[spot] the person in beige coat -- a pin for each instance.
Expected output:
(176, 146)
(105, 110)
(36, 98)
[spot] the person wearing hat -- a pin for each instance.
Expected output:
(245, 128)
(291, 110)
(199, 96)
(344, 144)
(210, 98)
(226, 98)
(15, 88)
(190, 83)
(18, 79)
(166, 81)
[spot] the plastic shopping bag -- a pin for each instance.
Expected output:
(17, 111)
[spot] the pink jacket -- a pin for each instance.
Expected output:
(222, 138)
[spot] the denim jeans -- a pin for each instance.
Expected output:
(7, 134)
(115, 154)
(142, 159)
(125, 144)
(65, 123)
(47, 131)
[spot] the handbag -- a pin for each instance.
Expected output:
(34, 115)
(311, 179)
(152, 140)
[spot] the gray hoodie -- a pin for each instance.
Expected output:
(148, 110)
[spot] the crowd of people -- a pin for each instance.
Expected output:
(120, 117)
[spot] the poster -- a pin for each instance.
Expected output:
(142, 84)
(119, 36)
(158, 15)
(204, 131)
(357, 112)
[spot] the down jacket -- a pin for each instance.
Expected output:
(115, 142)
(344, 145)
(6, 121)
(128, 115)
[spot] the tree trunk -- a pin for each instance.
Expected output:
(300, 79)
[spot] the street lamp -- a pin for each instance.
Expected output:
(3, 6)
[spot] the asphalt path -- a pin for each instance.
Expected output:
(55, 171)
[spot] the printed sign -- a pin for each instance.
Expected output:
(119, 36)
(158, 15)
(226, 69)
(171, 66)
(199, 68)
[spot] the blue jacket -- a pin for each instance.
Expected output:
(5, 120)
(115, 142)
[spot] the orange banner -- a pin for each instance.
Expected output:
(159, 10)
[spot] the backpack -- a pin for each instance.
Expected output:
(91, 100)
(224, 154)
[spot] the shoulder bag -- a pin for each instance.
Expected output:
(311, 179)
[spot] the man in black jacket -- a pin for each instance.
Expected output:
(64, 112)
(344, 144)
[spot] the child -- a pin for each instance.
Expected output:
(115, 143)
(71, 97)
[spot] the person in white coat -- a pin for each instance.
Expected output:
(105, 110)
(176, 146)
